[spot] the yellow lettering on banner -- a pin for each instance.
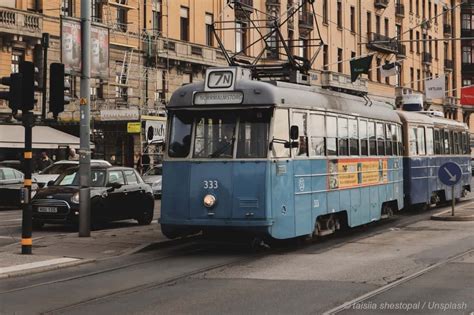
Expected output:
(347, 174)
(370, 172)
(26, 241)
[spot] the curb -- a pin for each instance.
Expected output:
(443, 217)
(46, 268)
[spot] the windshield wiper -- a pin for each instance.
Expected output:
(222, 149)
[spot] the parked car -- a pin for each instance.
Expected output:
(117, 193)
(11, 181)
(54, 170)
(153, 178)
(12, 164)
(472, 167)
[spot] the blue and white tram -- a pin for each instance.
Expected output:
(431, 141)
(277, 159)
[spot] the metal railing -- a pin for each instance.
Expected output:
(381, 4)
(382, 43)
(399, 9)
(427, 58)
(306, 19)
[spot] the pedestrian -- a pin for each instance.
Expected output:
(73, 156)
(44, 161)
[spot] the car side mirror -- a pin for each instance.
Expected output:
(51, 183)
(294, 132)
(113, 186)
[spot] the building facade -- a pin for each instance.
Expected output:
(155, 46)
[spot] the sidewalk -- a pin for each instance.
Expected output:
(461, 213)
(58, 251)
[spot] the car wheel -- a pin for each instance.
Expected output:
(37, 225)
(146, 217)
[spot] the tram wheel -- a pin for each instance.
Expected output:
(387, 212)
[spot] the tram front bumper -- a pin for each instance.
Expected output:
(218, 222)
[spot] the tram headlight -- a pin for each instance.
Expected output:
(209, 201)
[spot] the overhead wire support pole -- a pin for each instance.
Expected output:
(27, 222)
(84, 151)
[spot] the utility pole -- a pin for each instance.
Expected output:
(84, 151)
(45, 43)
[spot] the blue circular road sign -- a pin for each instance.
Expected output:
(450, 173)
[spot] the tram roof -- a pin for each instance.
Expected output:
(419, 118)
(258, 94)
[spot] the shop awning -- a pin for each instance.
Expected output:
(13, 136)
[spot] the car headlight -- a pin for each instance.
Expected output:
(75, 198)
(209, 201)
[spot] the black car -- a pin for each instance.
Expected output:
(117, 193)
(11, 181)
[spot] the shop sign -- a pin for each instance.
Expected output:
(155, 131)
(119, 114)
(134, 127)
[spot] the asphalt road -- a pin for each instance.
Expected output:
(10, 226)
(407, 260)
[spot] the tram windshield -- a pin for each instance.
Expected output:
(218, 133)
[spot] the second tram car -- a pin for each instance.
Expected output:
(277, 159)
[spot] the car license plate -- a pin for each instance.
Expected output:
(48, 209)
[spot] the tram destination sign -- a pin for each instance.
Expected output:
(218, 98)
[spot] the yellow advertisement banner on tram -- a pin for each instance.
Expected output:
(354, 173)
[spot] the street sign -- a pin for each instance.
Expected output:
(450, 173)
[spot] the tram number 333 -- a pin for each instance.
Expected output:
(210, 184)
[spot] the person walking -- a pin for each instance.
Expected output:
(44, 161)
(73, 156)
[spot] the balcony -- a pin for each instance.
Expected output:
(273, 2)
(381, 4)
(450, 102)
(243, 8)
(21, 23)
(401, 50)
(447, 29)
(400, 10)
(448, 65)
(382, 43)
(305, 22)
(342, 82)
(425, 24)
(427, 58)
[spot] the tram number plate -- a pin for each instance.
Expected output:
(48, 209)
(210, 184)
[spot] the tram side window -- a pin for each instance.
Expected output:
(456, 142)
(463, 143)
(180, 135)
(281, 131)
(400, 140)
(421, 141)
(301, 120)
(380, 139)
(343, 134)
(429, 141)
(354, 137)
(372, 139)
(317, 131)
(451, 142)
(412, 147)
(331, 135)
(388, 141)
(437, 142)
(446, 142)
(466, 143)
(394, 139)
(364, 142)
(253, 134)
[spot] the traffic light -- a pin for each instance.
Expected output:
(15, 94)
(27, 69)
(57, 87)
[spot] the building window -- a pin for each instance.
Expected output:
(386, 26)
(352, 19)
(412, 78)
(96, 11)
(325, 11)
(184, 23)
(466, 21)
(67, 7)
(417, 42)
(435, 8)
(157, 17)
(429, 10)
(209, 33)
(339, 13)
(290, 44)
(417, 7)
(467, 54)
(436, 49)
(339, 60)
(377, 24)
(423, 9)
(325, 57)
(466, 82)
(369, 22)
(379, 74)
(387, 78)
(411, 40)
(122, 19)
(418, 79)
(240, 37)
(17, 57)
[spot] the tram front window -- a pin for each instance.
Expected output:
(215, 135)
(180, 135)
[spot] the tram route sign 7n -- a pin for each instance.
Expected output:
(450, 173)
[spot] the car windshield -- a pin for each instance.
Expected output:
(71, 178)
(157, 170)
(57, 168)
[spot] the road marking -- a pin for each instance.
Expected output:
(347, 305)
(37, 264)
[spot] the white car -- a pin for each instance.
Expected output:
(153, 178)
(54, 170)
